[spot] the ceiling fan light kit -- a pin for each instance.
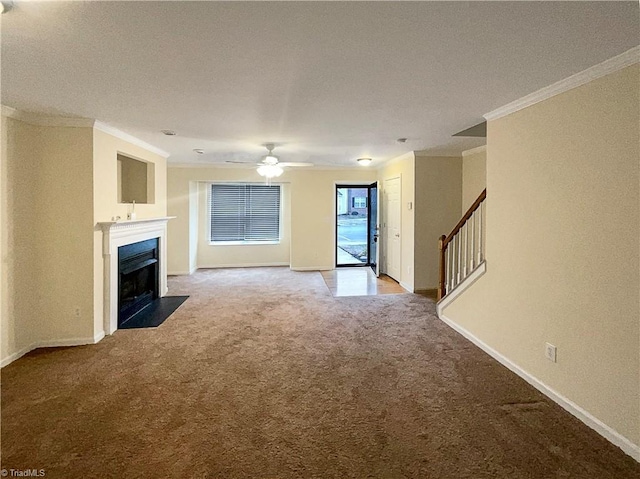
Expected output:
(269, 171)
(270, 166)
(5, 6)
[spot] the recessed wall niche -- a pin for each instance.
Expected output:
(136, 180)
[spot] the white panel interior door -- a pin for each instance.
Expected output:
(392, 212)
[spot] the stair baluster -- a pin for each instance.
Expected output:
(472, 249)
(458, 249)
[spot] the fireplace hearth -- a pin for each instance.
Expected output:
(138, 278)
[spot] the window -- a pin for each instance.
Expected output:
(359, 202)
(244, 213)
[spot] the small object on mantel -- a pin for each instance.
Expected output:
(132, 216)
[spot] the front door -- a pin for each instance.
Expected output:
(358, 226)
(374, 229)
(352, 226)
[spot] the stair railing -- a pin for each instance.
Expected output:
(462, 251)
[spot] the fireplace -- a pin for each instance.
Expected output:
(138, 271)
(116, 234)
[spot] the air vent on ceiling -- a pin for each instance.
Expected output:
(477, 131)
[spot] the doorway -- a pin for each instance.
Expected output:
(357, 225)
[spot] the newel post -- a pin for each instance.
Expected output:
(442, 288)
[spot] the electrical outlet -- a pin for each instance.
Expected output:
(551, 352)
(77, 312)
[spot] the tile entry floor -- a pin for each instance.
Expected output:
(359, 281)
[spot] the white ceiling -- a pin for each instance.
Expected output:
(327, 81)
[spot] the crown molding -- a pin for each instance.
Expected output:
(431, 155)
(43, 120)
(237, 166)
(61, 121)
(473, 151)
(611, 65)
(409, 155)
(252, 167)
(8, 111)
(110, 130)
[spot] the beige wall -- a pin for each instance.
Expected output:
(312, 223)
(5, 332)
(313, 214)
(18, 328)
(57, 183)
(216, 256)
(402, 167)
(65, 223)
(437, 211)
(106, 148)
(433, 185)
(105, 173)
(562, 247)
(188, 242)
(181, 199)
(474, 176)
(47, 233)
(193, 225)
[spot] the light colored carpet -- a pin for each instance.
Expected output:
(261, 373)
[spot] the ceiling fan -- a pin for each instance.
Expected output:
(270, 166)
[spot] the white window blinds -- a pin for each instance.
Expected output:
(245, 212)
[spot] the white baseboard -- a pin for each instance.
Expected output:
(98, 337)
(593, 422)
(60, 343)
(182, 273)
(17, 355)
(242, 265)
(55, 343)
(312, 268)
(406, 286)
(465, 284)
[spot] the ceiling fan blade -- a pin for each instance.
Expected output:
(294, 164)
(241, 162)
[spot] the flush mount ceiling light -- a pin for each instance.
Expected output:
(5, 6)
(199, 151)
(168, 132)
(364, 161)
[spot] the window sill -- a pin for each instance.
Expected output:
(242, 243)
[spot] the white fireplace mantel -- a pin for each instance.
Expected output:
(122, 233)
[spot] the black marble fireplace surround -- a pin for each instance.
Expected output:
(138, 278)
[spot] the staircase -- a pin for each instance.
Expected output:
(462, 251)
